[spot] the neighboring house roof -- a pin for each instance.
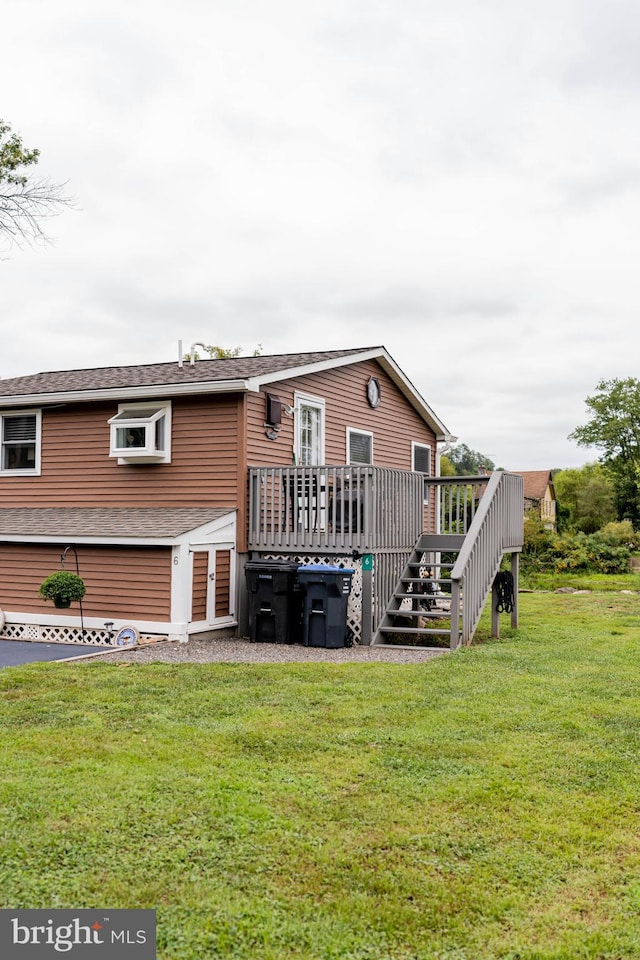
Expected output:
(104, 523)
(535, 483)
(236, 374)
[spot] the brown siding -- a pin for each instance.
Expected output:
(223, 582)
(394, 423)
(200, 581)
(78, 471)
(122, 582)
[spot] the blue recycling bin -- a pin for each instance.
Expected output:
(325, 595)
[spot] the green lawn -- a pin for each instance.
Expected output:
(485, 805)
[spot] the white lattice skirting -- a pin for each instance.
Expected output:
(354, 605)
(34, 631)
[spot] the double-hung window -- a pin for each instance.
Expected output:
(359, 446)
(141, 433)
(20, 442)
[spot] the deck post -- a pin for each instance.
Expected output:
(367, 607)
(455, 615)
(515, 573)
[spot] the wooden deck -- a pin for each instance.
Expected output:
(339, 509)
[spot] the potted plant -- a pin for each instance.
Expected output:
(62, 587)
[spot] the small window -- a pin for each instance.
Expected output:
(141, 433)
(20, 441)
(359, 446)
(421, 463)
(421, 458)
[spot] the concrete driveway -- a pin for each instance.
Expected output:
(13, 653)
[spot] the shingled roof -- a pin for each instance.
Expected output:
(122, 523)
(233, 375)
(535, 483)
(168, 374)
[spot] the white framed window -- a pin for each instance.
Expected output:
(421, 463)
(20, 441)
(309, 430)
(359, 446)
(141, 433)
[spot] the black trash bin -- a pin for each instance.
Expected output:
(274, 601)
(325, 594)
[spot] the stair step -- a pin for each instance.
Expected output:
(422, 616)
(442, 543)
(409, 579)
(411, 646)
(421, 612)
(415, 630)
(419, 593)
(424, 586)
(423, 596)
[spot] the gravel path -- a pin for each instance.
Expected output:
(242, 651)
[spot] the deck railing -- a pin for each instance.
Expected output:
(345, 508)
(496, 529)
(457, 501)
(334, 509)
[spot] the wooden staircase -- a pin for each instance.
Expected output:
(450, 574)
(420, 609)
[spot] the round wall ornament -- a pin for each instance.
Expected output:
(373, 392)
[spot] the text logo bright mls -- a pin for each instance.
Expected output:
(81, 934)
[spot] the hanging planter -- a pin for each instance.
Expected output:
(63, 587)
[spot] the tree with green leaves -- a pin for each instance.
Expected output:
(222, 353)
(225, 353)
(614, 429)
(447, 469)
(586, 498)
(468, 462)
(25, 200)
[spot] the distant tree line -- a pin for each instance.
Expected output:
(462, 461)
(598, 504)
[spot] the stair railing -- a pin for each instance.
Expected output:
(496, 529)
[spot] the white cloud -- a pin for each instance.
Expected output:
(457, 181)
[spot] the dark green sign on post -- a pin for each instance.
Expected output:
(367, 561)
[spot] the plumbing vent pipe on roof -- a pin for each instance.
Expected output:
(191, 354)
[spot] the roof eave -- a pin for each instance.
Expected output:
(318, 366)
(385, 360)
(92, 540)
(151, 391)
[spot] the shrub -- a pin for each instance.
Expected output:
(621, 532)
(606, 551)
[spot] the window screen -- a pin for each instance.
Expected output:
(360, 447)
(422, 459)
(19, 439)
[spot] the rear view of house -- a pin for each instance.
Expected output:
(157, 482)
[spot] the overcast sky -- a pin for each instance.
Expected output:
(456, 180)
